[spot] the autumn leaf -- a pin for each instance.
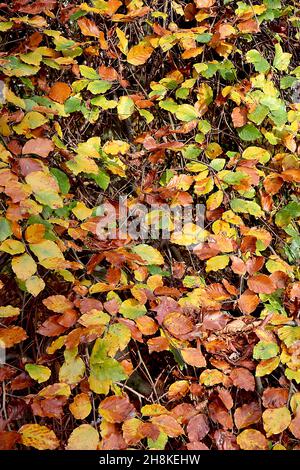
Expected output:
(168, 425)
(242, 378)
(247, 414)
(261, 284)
(139, 54)
(60, 92)
(193, 357)
(9, 311)
(39, 437)
(197, 428)
(248, 302)
(251, 439)
(39, 146)
(116, 409)
(88, 27)
(239, 116)
(12, 335)
(84, 437)
(81, 406)
(38, 372)
(24, 266)
(276, 420)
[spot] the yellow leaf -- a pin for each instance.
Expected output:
(81, 211)
(191, 234)
(149, 254)
(210, 377)
(13, 247)
(153, 410)
(276, 420)
(46, 249)
(251, 439)
(214, 200)
(123, 41)
(23, 266)
(114, 147)
(39, 437)
(256, 153)
(178, 389)
(267, 366)
(72, 370)
(217, 262)
(85, 437)
(9, 311)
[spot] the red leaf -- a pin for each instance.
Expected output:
(242, 378)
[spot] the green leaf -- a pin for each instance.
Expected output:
(72, 104)
(246, 207)
(289, 212)
(186, 113)
(259, 114)
(5, 229)
(99, 86)
(103, 102)
(265, 350)
(287, 82)
(39, 373)
(62, 180)
(132, 308)
(234, 177)
(102, 179)
(249, 133)
(255, 58)
(203, 38)
(88, 72)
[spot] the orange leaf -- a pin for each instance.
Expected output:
(247, 414)
(193, 357)
(60, 92)
(116, 409)
(261, 284)
(40, 146)
(248, 302)
(178, 324)
(35, 233)
(81, 406)
(273, 183)
(139, 54)
(12, 335)
(57, 303)
(178, 389)
(249, 26)
(239, 117)
(204, 3)
(168, 425)
(88, 27)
